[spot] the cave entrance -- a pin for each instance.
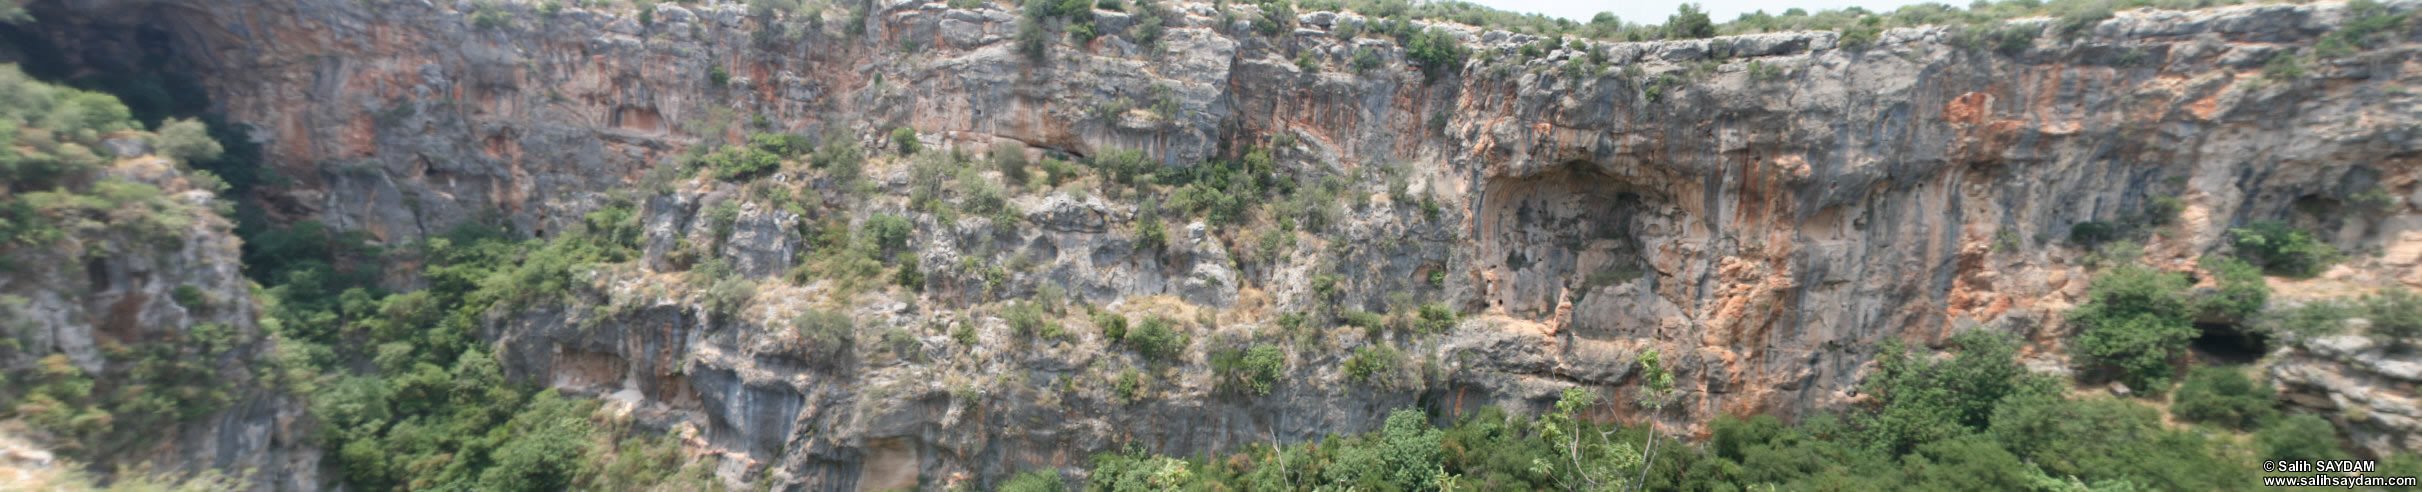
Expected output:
(2229, 344)
(1560, 236)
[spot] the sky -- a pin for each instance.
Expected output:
(1654, 11)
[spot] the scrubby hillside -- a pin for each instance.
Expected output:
(1156, 245)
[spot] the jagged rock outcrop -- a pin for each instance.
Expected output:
(1764, 209)
(103, 293)
(2364, 386)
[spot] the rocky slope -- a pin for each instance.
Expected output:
(1763, 209)
(125, 304)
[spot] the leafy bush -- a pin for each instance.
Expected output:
(889, 232)
(1150, 235)
(2311, 319)
(1919, 400)
(1025, 318)
(490, 17)
(1154, 340)
(2283, 67)
(1373, 364)
(1034, 481)
(905, 139)
(1128, 386)
(2101, 439)
(188, 141)
(1437, 52)
(1437, 318)
(2092, 233)
(1112, 325)
(1057, 171)
(2242, 291)
(2395, 315)
(2282, 250)
(1032, 41)
(1010, 159)
(1252, 369)
(189, 297)
(964, 333)
(909, 275)
(2223, 396)
(2302, 435)
(1370, 323)
(1863, 34)
(825, 334)
(2135, 323)
(1689, 23)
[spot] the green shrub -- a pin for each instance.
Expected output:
(2395, 315)
(2311, 319)
(2224, 396)
(489, 17)
(964, 333)
(189, 297)
(1154, 340)
(1057, 171)
(2135, 323)
(2102, 439)
(2242, 291)
(889, 232)
(740, 163)
(1863, 35)
(825, 333)
(1305, 62)
(1010, 159)
(1689, 23)
(2283, 67)
(2281, 250)
(2092, 233)
(1253, 369)
(1032, 41)
(905, 139)
(910, 275)
(1919, 399)
(1150, 235)
(187, 140)
(1373, 364)
(1112, 325)
(1437, 52)
(1437, 318)
(2301, 435)
(1128, 386)
(1370, 323)
(1034, 481)
(1025, 318)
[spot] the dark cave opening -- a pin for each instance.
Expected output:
(2225, 343)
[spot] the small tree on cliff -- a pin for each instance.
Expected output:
(1591, 459)
(1656, 392)
(1689, 23)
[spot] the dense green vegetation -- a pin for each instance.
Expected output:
(434, 410)
(406, 395)
(2283, 250)
(55, 201)
(2134, 327)
(1974, 421)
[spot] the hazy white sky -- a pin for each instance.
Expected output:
(1654, 11)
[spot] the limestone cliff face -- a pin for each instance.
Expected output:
(1764, 209)
(106, 292)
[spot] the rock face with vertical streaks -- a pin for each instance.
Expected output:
(1764, 209)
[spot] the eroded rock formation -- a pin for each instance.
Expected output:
(1764, 209)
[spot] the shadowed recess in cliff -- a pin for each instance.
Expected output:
(1570, 235)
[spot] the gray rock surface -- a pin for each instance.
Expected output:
(1766, 232)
